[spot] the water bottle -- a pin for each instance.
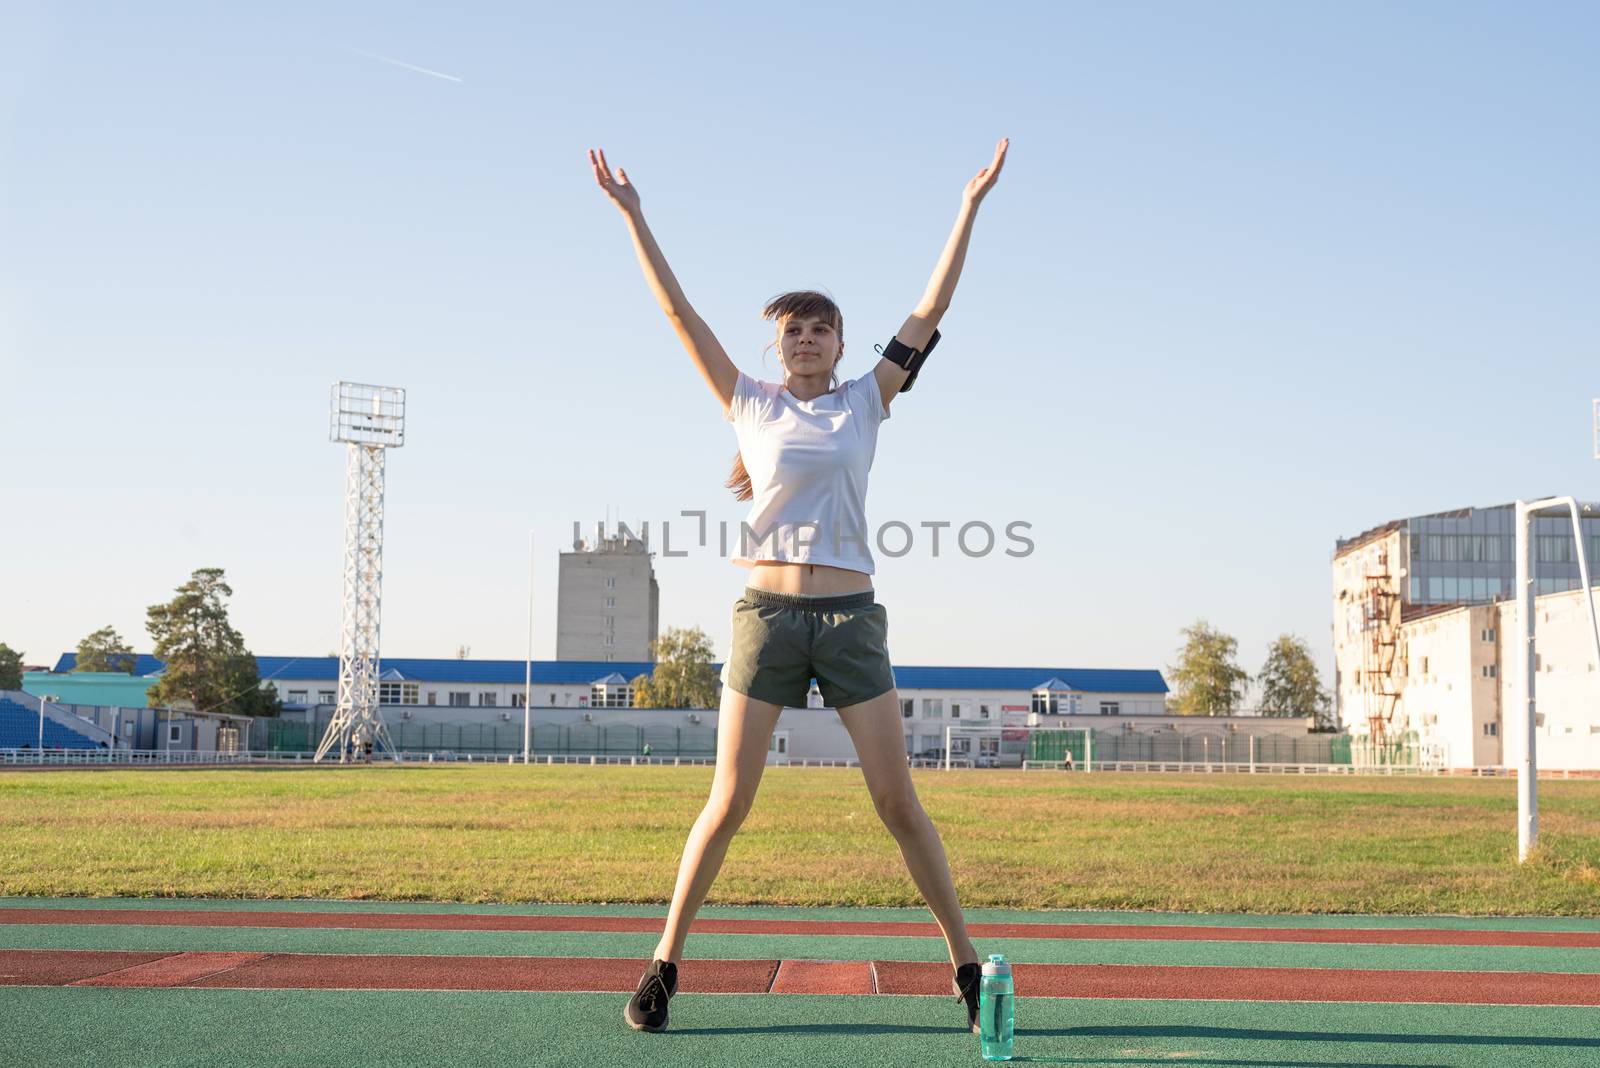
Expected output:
(996, 1009)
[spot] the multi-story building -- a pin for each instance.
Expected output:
(608, 603)
(1424, 625)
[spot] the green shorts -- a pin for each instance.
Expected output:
(781, 641)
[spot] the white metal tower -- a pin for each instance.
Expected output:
(370, 420)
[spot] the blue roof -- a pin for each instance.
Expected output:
(586, 672)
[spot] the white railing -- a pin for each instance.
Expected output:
(166, 758)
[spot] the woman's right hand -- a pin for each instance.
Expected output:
(619, 189)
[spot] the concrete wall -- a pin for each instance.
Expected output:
(1566, 690)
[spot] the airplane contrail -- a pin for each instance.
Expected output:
(407, 66)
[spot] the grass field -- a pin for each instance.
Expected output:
(614, 834)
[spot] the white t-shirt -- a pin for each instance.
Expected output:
(808, 464)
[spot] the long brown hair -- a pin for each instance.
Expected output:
(803, 304)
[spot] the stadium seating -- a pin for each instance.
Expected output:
(19, 726)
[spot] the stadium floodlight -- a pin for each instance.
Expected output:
(1527, 770)
(369, 420)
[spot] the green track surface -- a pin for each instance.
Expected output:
(378, 1029)
(796, 947)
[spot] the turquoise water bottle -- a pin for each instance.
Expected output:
(996, 1009)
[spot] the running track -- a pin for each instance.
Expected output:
(270, 983)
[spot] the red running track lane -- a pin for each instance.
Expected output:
(314, 971)
(820, 928)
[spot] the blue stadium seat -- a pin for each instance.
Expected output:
(19, 726)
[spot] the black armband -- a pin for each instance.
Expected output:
(905, 356)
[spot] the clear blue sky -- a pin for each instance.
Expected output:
(1256, 276)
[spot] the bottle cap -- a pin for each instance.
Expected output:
(996, 965)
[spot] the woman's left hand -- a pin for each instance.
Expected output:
(979, 187)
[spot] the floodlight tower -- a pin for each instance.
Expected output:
(370, 420)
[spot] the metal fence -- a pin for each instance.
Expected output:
(484, 739)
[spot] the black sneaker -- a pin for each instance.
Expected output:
(966, 987)
(647, 1009)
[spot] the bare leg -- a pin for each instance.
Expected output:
(874, 727)
(744, 731)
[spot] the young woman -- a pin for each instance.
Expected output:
(806, 446)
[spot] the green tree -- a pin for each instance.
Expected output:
(104, 650)
(205, 660)
(1206, 680)
(1290, 684)
(683, 677)
(10, 668)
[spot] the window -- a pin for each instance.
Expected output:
(519, 700)
(1491, 729)
(297, 697)
(610, 639)
(552, 699)
(459, 699)
(611, 582)
(611, 621)
(397, 693)
(933, 708)
(1488, 671)
(983, 711)
(615, 696)
(433, 697)
(1111, 708)
(1044, 704)
(611, 602)
(955, 710)
(174, 732)
(908, 708)
(327, 697)
(1424, 668)
(487, 700)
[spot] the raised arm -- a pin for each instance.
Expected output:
(918, 328)
(704, 348)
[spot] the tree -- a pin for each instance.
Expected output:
(1290, 685)
(104, 650)
(10, 668)
(1206, 680)
(683, 677)
(206, 662)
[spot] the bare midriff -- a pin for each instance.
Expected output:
(815, 579)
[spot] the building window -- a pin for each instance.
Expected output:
(1044, 704)
(297, 697)
(611, 582)
(604, 696)
(1111, 708)
(1424, 669)
(983, 711)
(433, 697)
(609, 639)
(933, 708)
(459, 699)
(174, 732)
(487, 700)
(1488, 671)
(908, 708)
(955, 710)
(519, 700)
(611, 602)
(327, 697)
(397, 693)
(552, 700)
